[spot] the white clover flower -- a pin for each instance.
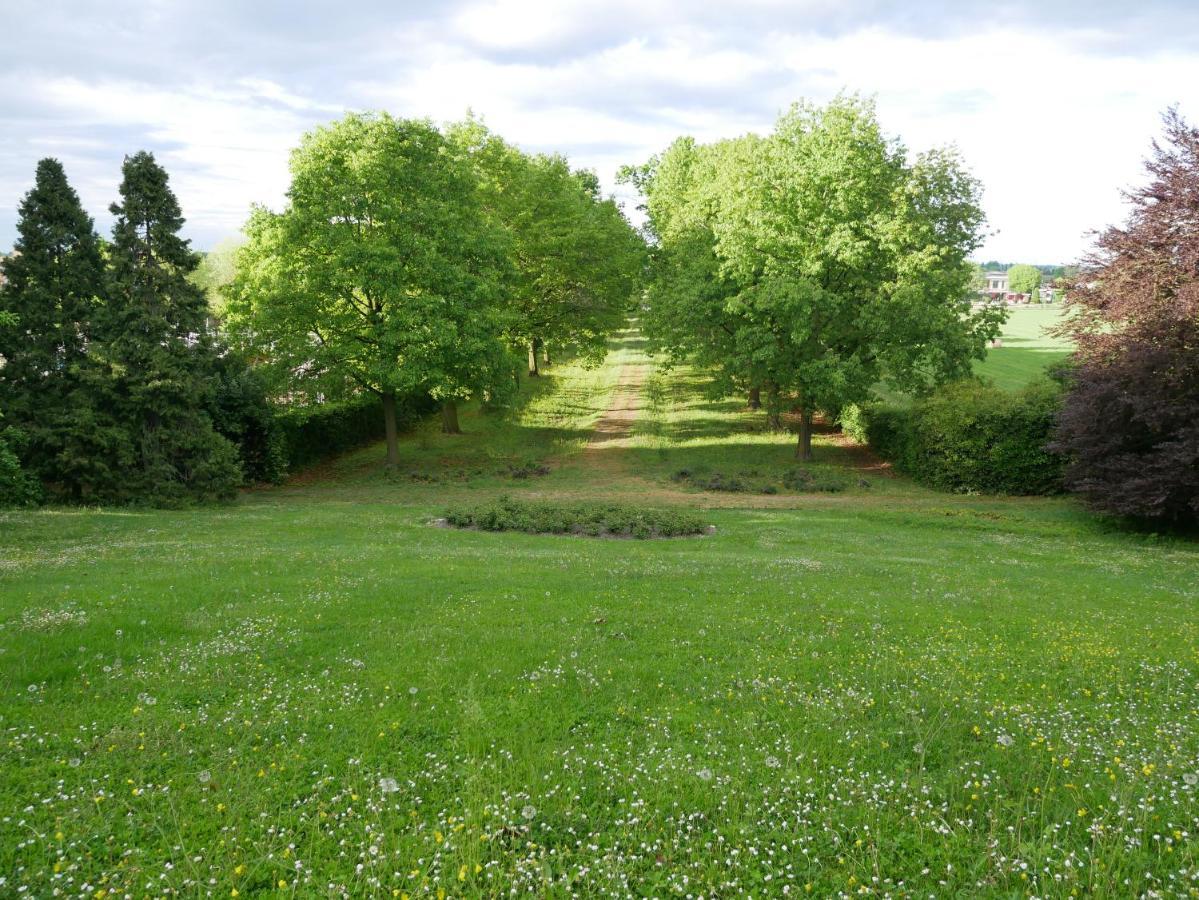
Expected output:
(388, 785)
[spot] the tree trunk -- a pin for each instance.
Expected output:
(803, 449)
(389, 426)
(545, 354)
(774, 412)
(533, 370)
(449, 417)
(755, 398)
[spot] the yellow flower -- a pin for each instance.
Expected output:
(282, 882)
(462, 873)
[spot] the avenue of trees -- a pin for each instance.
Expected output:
(806, 266)
(408, 263)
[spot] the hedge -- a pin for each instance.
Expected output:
(17, 487)
(969, 437)
(312, 433)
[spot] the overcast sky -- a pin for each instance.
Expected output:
(1052, 103)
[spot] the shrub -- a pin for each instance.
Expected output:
(17, 487)
(972, 437)
(594, 519)
(1130, 429)
(242, 414)
(313, 433)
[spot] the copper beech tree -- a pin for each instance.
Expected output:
(1130, 422)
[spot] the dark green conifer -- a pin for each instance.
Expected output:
(48, 306)
(159, 355)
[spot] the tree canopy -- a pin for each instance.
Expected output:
(815, 261)
(576, 261)
(382, 274)
(1130, 422)
(1023, 279)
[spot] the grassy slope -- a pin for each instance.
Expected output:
(965, 695)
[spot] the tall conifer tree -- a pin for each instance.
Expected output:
(48, 307)
(159, 355)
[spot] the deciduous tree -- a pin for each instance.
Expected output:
(1130, 423)
(576, 261)
(1023, 279)
(382, 274)
(815, 262)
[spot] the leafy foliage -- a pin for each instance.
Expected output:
(1131, 419)
(593, 519)
(969, 437)
(382, 274)
(576, 261)
(312, 433)
(17, 487)
(1023, 279)
(815, 262)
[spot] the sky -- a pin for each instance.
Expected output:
(1053, 104)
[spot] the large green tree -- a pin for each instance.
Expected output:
(52, 293)
(576, 261)
(1023, 279)
(815, 262)
(382, 274)
(156, 356)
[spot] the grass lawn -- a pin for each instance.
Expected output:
(879, 690)
(1026, 350)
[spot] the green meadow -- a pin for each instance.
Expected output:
(855, 686)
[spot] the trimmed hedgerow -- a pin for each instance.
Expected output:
(592, 519)
(313, 433)
(969, 437)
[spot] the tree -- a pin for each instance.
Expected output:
(158, 359)
(53, 291)
(576, 261)
(1023, 279)
(216, 271)
(815, 262)
(1130, 421)
(382, 274)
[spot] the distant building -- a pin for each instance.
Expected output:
(996, 283)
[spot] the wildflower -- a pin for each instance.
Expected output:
(529, 811)
(1005, 740)
(412, 691)
(388, 785)
(772, 762)
(1190, 778)
(205, 777)
(75, 762)
(704, 774)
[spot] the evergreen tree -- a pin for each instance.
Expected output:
(47, 312)
(158, 355)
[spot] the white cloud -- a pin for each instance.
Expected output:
(1053, 121)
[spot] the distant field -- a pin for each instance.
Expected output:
(879, 691)
(1027, 351)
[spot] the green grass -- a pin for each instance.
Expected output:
(1026, 349)
(314, 693)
